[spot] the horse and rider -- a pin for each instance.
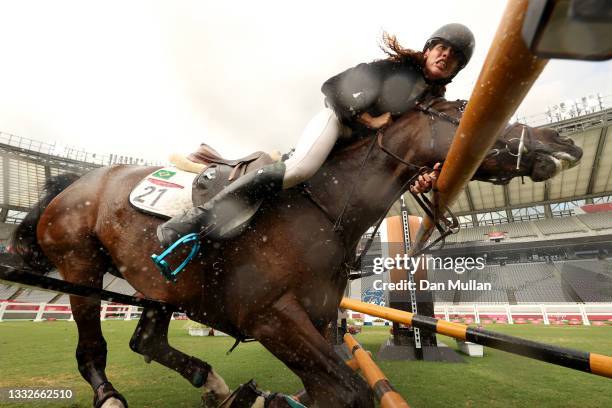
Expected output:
(369, 95)
(280, 281)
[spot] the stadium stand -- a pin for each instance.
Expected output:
(560, 225)
(526, 283)
(597, 221)
(62, 300)
(517, 276)
(121, 286)
(545, 291)
(480, 233)
(518, 230)
(6, 291)
(471, 234)
(589, 285)
(35, 296)
(594, 265)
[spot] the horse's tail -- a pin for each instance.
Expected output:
(23, 240)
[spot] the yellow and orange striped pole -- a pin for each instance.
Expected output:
(384, 391)
(302, 396)
(594, 363)
(507, 74)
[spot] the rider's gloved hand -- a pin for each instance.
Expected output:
(426, 181)
(375, 122)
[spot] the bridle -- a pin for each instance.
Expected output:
(525, 144)
(445, 225)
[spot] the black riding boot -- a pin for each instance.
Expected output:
(225, 206)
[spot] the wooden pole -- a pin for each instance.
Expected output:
(579, 360)
(507, 74)
(388, 397)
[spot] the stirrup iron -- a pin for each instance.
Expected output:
(162, 264)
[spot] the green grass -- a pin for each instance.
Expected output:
(42, 355)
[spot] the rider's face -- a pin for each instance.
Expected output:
(441, 62)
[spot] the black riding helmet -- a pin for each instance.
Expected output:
(457, 36)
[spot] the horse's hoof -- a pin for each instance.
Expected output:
(210, 400)
(107, 397)
(113, 403)
(213, 399)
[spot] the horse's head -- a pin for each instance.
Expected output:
(428, 133)
(544, 153)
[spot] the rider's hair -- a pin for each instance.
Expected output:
(395, 52)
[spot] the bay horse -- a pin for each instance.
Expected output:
(280, 281)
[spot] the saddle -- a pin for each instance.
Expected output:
(172, 190)
(219, 172)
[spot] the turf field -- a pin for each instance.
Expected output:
(42, 355)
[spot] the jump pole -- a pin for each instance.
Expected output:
(594, 363)
(388, 397)
(302, 396)
(507, 74)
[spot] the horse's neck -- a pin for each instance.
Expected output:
(369, 190)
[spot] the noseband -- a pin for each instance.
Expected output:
(525, 144)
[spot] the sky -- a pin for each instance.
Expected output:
(149, 78)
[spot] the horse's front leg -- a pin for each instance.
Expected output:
(151, 340)
(287, 332)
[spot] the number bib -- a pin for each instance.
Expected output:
(165, 192)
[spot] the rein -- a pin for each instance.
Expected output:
(450, 226)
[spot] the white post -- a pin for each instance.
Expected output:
(544, 315)
(476, 315)
(585, 318)
(446, 315)
(41, 310)
(3, 306)
(103, 312)
(509, 314)
(128, 314)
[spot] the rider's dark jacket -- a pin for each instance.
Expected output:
(376, 87)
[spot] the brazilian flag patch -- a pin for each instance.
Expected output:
(164, 174)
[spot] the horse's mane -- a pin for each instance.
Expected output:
(361, 132)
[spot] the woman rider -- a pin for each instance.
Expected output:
(370, 95)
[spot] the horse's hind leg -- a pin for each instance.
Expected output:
(80, 260)
(286, 330)
(151, 340)
(91, 352)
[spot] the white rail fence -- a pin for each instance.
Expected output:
(38, 312)
(574, 313)
(540, 313)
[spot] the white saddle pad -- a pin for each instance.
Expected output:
(165, 192)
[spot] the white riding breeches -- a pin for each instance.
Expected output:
(317, 140)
